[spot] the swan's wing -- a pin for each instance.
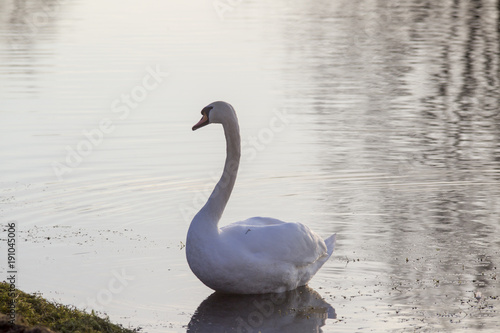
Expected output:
(275, 240)
(256, 222)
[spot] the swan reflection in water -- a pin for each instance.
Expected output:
(298, 310)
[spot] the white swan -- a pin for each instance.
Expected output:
(255, 256)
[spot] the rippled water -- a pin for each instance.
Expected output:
(375, 120)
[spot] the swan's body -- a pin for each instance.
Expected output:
(254, 256)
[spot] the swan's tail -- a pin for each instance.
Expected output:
(330, 244)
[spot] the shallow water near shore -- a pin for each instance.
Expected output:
(378, 122)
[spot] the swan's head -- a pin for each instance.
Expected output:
(216, 113)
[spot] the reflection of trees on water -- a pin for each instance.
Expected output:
(459, 137)
(411, 89)
(22, 24)
(24, 21)
(465, 85)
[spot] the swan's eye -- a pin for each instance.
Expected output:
(206, 110)
(204, 119)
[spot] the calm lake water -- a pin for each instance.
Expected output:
(375, 120)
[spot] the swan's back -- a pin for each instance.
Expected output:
(285, 242)
(294, 252)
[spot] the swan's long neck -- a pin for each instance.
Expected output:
(211, 213)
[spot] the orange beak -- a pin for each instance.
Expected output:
(203, 122)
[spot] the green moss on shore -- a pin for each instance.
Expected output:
(34, 311)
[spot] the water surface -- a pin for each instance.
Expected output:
(376, 121)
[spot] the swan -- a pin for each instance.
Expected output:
(255, 256)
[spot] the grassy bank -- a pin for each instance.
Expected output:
(34, 311)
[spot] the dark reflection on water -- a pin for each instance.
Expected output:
(29, 21)
(407, 98)
(300, 310)
(27, 28)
